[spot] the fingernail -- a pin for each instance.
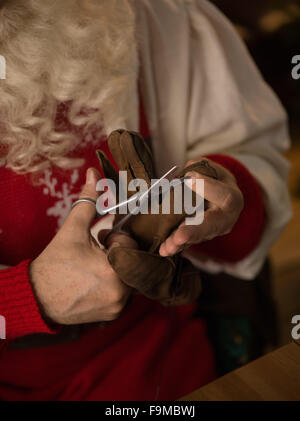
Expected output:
(163, 253)
(190, 180)
(189, 183)
(90, 176)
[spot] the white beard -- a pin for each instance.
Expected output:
(82, 51)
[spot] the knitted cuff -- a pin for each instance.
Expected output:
(18, 305)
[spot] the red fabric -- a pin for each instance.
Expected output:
(248, 230)
(18, 304)
(149, 352)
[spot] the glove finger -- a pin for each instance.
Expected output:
(107, 168)
(187, 286)
(150, 274)
(202, 167)
(135, 164)
(145, 154)
(120, 156)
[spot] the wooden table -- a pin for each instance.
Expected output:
(274, 377)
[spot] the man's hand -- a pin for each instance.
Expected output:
(72, 278)
(225, 205)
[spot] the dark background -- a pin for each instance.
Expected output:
(271, 29)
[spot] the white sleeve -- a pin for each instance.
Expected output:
(205, 95)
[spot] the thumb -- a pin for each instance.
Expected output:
(83, 214)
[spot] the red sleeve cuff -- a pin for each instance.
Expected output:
(18, 304)
(248, 230)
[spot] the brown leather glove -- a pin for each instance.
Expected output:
(171, 280)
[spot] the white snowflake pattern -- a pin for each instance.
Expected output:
(64, 196)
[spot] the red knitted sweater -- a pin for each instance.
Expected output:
(128, 358)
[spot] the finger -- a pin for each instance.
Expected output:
(174, 243)
(213, 225)
(83, 214)
(171, 246)
(217, 192)
(222, 173)
(186, 235)
(169, 249)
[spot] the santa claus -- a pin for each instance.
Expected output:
(76, 70)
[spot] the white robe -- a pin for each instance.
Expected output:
(203, 94)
